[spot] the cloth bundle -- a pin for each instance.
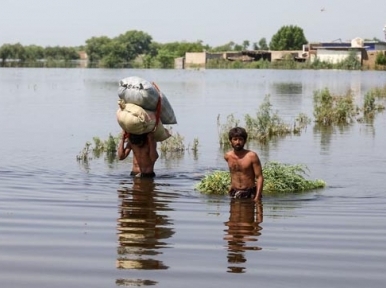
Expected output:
(143, 108)
(143, 93)
(136, 120)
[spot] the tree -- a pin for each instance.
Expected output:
(136, 42)
(5, 52)
(263, 44)
(245, 44)
(288, 38)
(96, 47)
(165, 58)
(180, 48)
(226, 47)
(34, 52)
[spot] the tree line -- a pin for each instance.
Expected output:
(136, 49)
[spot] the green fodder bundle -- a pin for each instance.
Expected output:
(278, 178)
(217, 183)
(286, 178)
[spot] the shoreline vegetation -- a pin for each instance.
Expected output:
(137, 50)
(329, 111)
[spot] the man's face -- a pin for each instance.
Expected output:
(237, 143)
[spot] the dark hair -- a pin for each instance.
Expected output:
(137, 139)
(238, 132)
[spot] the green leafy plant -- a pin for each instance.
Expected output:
(278, 178)
(98, 148)
(329, 109)
(265, 125)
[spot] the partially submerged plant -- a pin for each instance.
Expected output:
(265, 125)
(109, 147)
(330, 109)
(378, 92)
(83, 155)
(175, 143)
(370, 107)
(195, 145)
(223, 129)
(278, 178)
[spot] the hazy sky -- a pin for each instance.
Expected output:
(215, 22)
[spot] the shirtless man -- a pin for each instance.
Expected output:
(145, 153)
(244, 167)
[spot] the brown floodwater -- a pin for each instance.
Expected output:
(69, 224)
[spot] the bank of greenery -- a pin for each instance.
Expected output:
(136, 49)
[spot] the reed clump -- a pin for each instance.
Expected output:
(279, 178)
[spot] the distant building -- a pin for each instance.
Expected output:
(333, 52)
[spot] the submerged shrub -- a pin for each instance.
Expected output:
(370, 107)
(278, 178)
(329, 109)
(223, 129)
(265, 125)
(174, 143)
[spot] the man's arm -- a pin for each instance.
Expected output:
(123, 151)
(153, 154)
(257, 169)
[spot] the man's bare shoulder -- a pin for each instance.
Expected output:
(228, 154)
(253, 156)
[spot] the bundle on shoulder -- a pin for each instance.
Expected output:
(146, 94)
(143, 108)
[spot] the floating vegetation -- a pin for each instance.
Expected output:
(278, 178)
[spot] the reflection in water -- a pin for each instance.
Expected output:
(326, 132)
(242, 230)
(288, 88)
(140, 230)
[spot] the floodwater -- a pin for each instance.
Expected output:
(68, 224)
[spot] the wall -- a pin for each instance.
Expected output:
(336, 56)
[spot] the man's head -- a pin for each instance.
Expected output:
(138, 140)
(238, 136)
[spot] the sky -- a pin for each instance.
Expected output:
(214, 22)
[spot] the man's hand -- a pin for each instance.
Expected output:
(125, 135)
